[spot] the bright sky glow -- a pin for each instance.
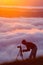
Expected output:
(22, 2)
(12, 2)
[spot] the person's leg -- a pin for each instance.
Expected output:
(34, 52)
(31, 54)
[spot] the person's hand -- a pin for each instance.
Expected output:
(28, 49)
(23, 50)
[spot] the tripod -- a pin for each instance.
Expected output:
(20, 52)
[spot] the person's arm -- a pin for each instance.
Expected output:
(25, 50)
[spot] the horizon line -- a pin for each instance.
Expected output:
(27, 7)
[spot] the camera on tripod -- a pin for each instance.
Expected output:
(18, 46)
(20, 51)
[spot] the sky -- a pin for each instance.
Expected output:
(12, 8)
(22, 2)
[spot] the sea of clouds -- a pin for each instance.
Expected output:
(10, 40)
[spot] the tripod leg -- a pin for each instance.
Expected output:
(17, 55)
(22, 56)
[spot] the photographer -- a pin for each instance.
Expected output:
(30, 46)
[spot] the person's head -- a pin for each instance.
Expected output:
(23, 41)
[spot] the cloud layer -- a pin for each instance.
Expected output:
(9, 39)
(20, 23)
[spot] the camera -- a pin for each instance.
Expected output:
(18, 46)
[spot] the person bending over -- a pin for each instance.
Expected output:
(30, 46)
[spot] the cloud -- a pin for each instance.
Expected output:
(18, 37)
(8, 45)
(7, 24)
(9, 40)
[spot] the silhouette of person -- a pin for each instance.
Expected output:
(32, 46)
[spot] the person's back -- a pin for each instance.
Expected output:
(30, 45)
